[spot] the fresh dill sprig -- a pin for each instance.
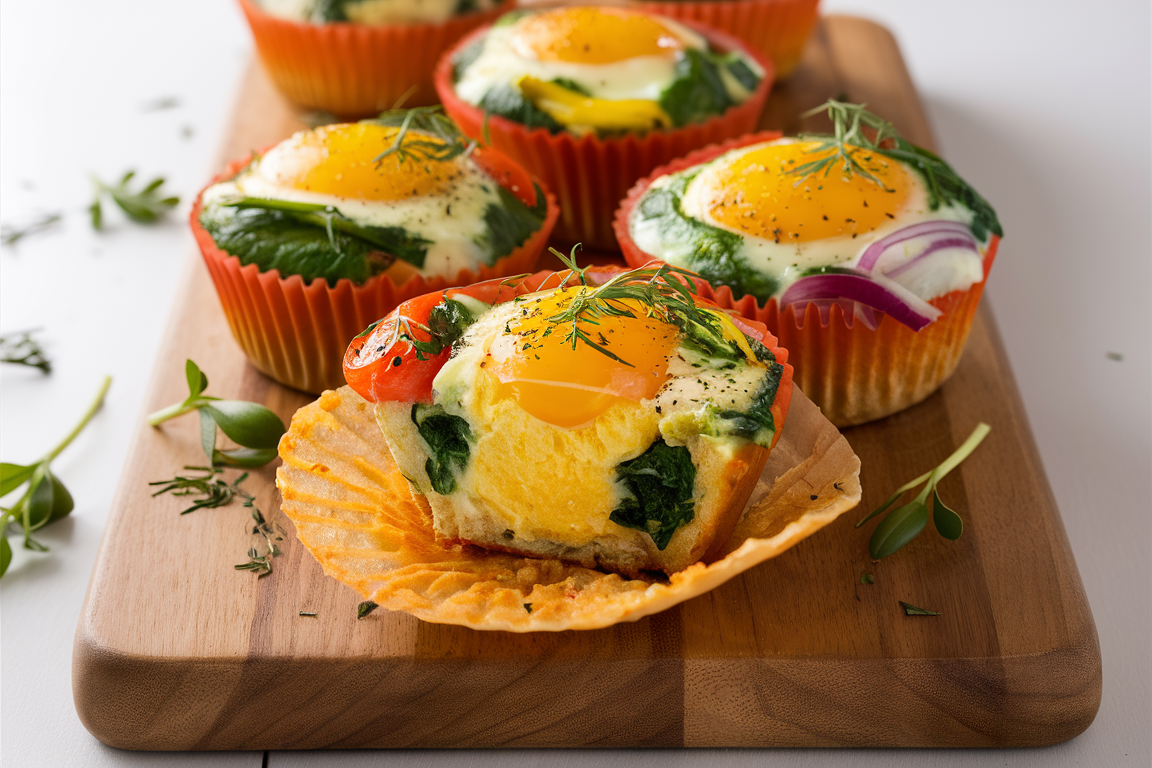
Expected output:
(850, 138)
(10, 234)
(446, 142)
(21, 349)
(666, 292)
(143, 206)
(214, 492)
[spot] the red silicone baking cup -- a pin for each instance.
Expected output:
(854, 373)
(356, 70)
(297, 332)
(776, 28)
(590, 175)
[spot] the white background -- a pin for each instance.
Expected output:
(1043, 106)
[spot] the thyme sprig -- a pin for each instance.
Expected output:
(11, 234)
(143, 206)
(256, 429)
(447, 143)
(45, 499)
(213, 493)
(666, 292)
(852, 125)
(905, 523)
(21, 349)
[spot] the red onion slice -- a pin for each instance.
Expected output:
(873, 252)
(875, 291)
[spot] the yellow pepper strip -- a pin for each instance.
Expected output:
(570, 108)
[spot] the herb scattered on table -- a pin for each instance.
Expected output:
(911, 610)
(214, 492)
(143, 206)
(256, 429)
(365, 608)
(160, 104)
(867, 578)
(1114, 356)
(905, 523)
(11, 234)
(308, 613)
(21, 349)
(45, 499)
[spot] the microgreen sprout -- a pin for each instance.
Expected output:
(256, 429)
(143, 206)
(905, 523)
(45, 499)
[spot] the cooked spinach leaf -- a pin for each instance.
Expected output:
(756, 424)
(743, 73)
(325, 11)
(511, 222)
(465, 6)
(466, 57)
(572, 85)
(711, 252)
(449, 439)
(447, 322)
(698, 92)
(507, 101)
(509, 18)
(662, 481)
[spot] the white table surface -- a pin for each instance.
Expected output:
(1044, 106)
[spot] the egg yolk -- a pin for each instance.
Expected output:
(569, 386)
(757, 195)
(340, 160)
(593, 36)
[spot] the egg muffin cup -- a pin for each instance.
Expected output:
(776, 28)
(356, 70)
(589, 174)
(297, 332)
(854, 372)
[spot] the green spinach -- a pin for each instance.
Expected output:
(662, 481)
(756, 424)
(511, 222)
(699, 91)
(449, 440)
(508, 102)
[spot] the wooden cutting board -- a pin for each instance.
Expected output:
(177, 650)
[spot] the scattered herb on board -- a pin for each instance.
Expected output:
(213, 493)
(45, 500)
(160, 104)
(10, 234)
(911, 610)
(256, 429)
(867, 578)
(143, 206)
(528, 607)
(905, 523)
(21, 349)
(308, 613)
(365, 608)
(849, 139)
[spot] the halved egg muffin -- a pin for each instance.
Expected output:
(310, 240)
(866, 241)
(605, 418)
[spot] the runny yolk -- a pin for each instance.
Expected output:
(593, 36)
(340, 160)
(568, 386)
(757, 195)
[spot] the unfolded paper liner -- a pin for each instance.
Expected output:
(298, 332)
(854, 373)
(356, 70)
(590, 175)
(354, 512)
(776, 28)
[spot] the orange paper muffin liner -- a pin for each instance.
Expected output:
(854, 373)
(297, 332)
(356, 70)
(589, 175)
(776, 28)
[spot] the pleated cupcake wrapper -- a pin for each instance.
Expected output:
(854, 373)
(776, 28)
(356, 70)
(590, 175)
(297, 332)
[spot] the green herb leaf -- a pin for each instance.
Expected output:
(144, 206)
(197, 379)
(244, 457)
(248, 424)
(448, 439)
(897, 529)
(911, 610)
(37, 509)
(365, 608)
(437, 137)
(948, 523)
(21, 349)
(528, 607)
(10, 234)
(12, 476)
(5, 555)
(867, 578)
(508, 102)
(208, 435)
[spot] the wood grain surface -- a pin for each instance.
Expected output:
(176, 650)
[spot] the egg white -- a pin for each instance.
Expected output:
(453, 221)
(503, 62)
(949, 270)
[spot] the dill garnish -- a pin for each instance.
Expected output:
(21, 349)
(445, 143)
(11, 234)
